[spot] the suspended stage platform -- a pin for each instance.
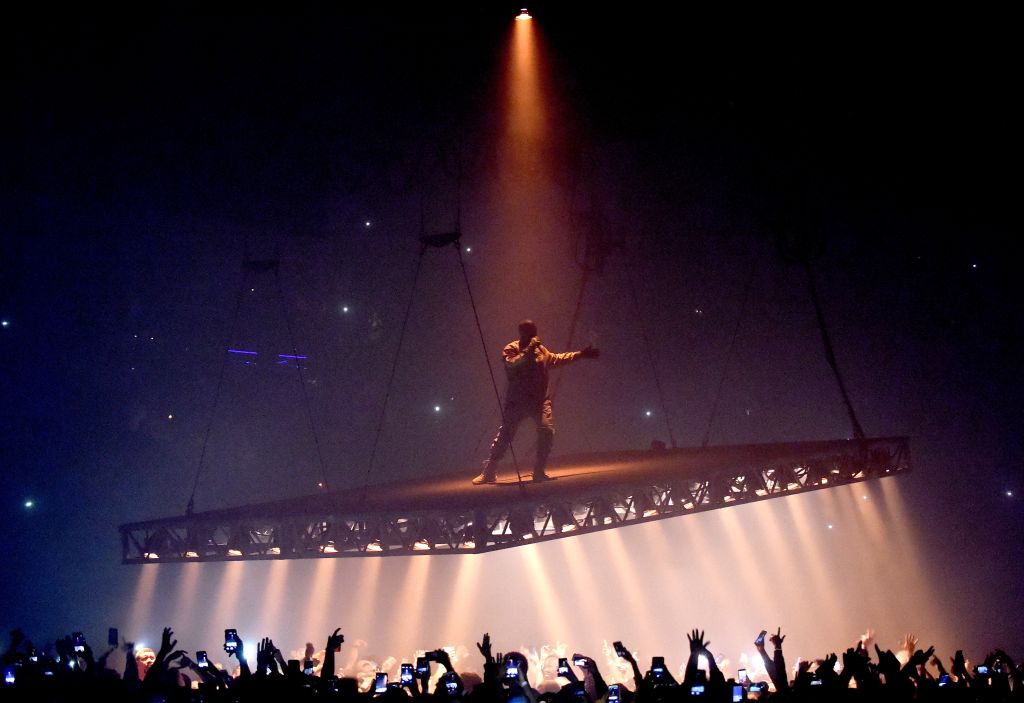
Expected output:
(446, 514)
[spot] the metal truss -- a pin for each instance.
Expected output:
(654, 486)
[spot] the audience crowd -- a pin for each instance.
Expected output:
(69, 670)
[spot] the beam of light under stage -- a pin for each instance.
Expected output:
(728, 572)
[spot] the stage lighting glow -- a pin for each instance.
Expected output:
(648, 413)
(276, 551)
(5, 323)
(524, 14)
(170, 416)
(344, 308)
(329, 548)
(469, 544)
(29, 504)
(1009, 494)
(374, 546)
(368, 223)
(437, 408)
(468, 249)
(151, 555)
(191, 555)
(421, 545)
(234, 552)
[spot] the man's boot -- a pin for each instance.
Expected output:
(539, 476)
(487, 475)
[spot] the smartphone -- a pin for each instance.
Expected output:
(741, 674)
(112, 638)
(202, 661)
(511, 669)
(613, 693)
(619, 649)
(422, 666)
(982, 670)
(79, 641)
(760, 638)
(308, 667)
(380, 682)
(230, 639)
(451, 683)
(944, 680)
(580, 662)
(9, 675)
(697, 689)
(407, 673)
(563, 666)
(816, 682)
(658, 666)
(737, 693)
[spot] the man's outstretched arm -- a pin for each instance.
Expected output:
(564, 358)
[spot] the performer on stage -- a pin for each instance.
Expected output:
(527, 364)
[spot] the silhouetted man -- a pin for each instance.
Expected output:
(527, 364)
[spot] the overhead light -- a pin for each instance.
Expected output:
(374, 546)
(151, 555)
(329, 548)
(234, 552)
(524, 14)
(275, 551)
(191, 555)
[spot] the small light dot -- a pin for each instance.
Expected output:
(974, 266)
(133, 368)
(170, 417)
(368, 223)
(344, 308)
(29, 503)
(151, 339)
(468, 249)
(830, 526)
(319, 484)
(698, 311)
(136, 336)
(437, 408)
(252, 290)
(1009, 494)
(5, 323)
(865, 497)
(648, 413)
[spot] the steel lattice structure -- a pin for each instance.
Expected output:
(448, 516)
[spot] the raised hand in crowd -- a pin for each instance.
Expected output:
(334, 642)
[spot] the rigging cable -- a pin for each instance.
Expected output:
(298, 367)
(216, 396)
(394, 367)
(487, 359)
(650, 356)
(830, 356)
(728, 354)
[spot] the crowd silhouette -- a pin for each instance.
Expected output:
(69, 670)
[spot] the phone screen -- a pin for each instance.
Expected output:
(380, 683)
(619, 649)
(230, 640)
(201, 659)
(737, 693)
(308, 667)
(406, 673)
(760, 637)
(422, 666)
(451, 684)
(613, 693)
(112, 638)
(511, 670)
(79, 640)
(742, 676)
(697, 690)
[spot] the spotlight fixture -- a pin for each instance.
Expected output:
(524, 14)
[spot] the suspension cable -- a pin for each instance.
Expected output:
(830, 356)
(394, 367)
(490, 371)
(728, 353)
(302, 382)
(216, 396)
(650, 356)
